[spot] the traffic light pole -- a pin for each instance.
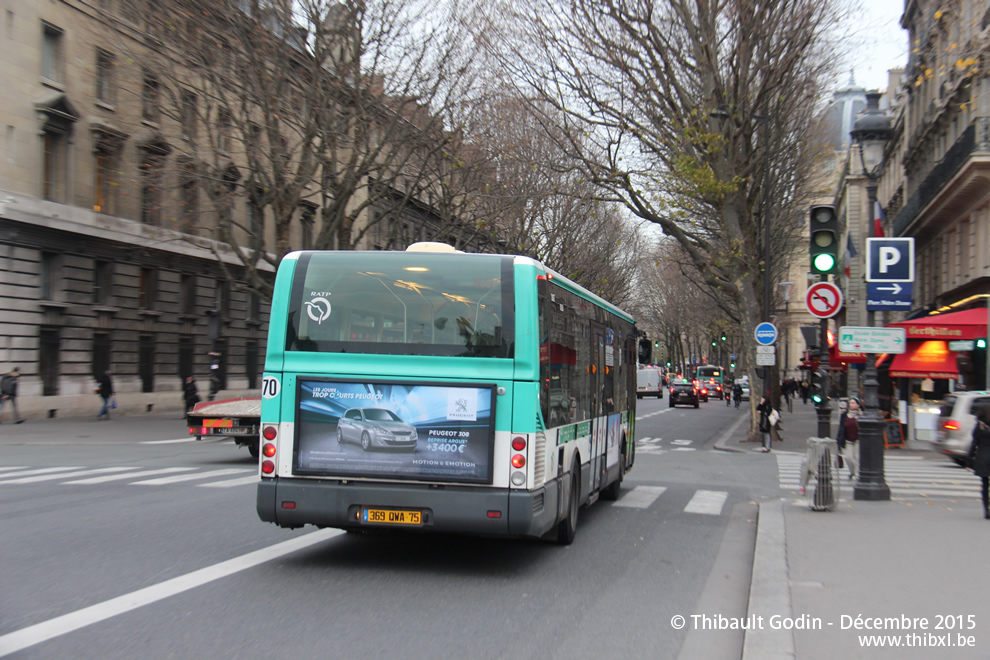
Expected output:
(824, 408)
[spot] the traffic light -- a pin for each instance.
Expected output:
(644, 350)
(818, 387)
(824, 245)
(981, 343)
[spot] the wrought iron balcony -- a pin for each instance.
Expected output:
(975, 139)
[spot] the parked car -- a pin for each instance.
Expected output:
(649, 382)
(954, 432)
(683, 391)
(376, 428)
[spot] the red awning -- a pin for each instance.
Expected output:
(968, 324)
(925, 359)
(835, 356)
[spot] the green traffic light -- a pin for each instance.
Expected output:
(824, 263)
(981, 343)
(817, 398)
(732, 365)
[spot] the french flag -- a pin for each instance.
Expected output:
(850, 253)
(879, 218)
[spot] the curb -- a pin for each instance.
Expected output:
(721, 445)
(769, 590)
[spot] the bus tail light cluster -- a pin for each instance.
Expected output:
(269, 432)
(518, 461)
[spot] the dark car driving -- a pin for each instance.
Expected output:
(684, 392)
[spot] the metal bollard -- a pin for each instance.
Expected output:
(820, 464)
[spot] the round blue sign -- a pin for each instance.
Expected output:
(766, 333)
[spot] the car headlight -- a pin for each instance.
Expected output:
(382, 430)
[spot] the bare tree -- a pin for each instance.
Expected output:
(694, 115)
(322, 118)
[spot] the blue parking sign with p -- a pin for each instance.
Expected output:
(890, 259)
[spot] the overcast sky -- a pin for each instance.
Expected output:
(876, 42)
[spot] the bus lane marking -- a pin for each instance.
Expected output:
(640, 497)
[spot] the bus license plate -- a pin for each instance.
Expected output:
(391, 517)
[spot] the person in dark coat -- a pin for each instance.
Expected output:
(190, 393)
(8, 392)
(979, 454)
(105, 390)
(765, 408)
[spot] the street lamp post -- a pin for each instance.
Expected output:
(870, 133)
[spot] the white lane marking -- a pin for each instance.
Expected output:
(167, 442)
(253, 479)
(62, 475)
(640, 497)
(130, 475)
(708, 502)
(42, 471)
(5, 468)
(683, 449)
(46, 630)
(189, 477)
(681, 442)
(649, 440)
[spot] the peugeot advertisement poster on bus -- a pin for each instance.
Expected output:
(401, 430)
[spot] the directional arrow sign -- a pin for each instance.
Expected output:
(872, 340)
(890, 289)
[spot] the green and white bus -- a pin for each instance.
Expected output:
(435, 390)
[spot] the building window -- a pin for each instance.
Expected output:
(188, 115)
(105, 88)
(146, 362)
(190, 198)
(152, 179)
(49, 276)
(51, 53)
(147, 289)
(105, 179)
(187, 351)
(150, 108)
(223, 130)
(306, 222)
(256, 216)
(54, 160)
(49, 360)
(188, 293)
(223, 298)
(101, 353)
(251, 363)
(254, 306)
(102, 282)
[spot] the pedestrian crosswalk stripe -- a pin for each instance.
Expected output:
(253, 479)
(37, 478)
(5, 468)
(708, 502)
(40, 471)
(129, 475)
(906, 476)
(640, 497)
(189, 477)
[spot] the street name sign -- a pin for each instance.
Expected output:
(884, 296)
(823, 300)
(766, 333)
(890, 259)
(872, 340)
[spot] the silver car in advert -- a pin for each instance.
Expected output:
(376, 428)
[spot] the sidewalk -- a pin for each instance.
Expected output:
(890, 563)
(118, 429)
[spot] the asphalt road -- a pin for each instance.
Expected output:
(124, 565)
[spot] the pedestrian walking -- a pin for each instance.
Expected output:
(764, 408)
(979, 454)
(8, 393)
(728, 396)
(190, 393)
(848, 436)
(736, 393)
(104, 388)
(804, 392)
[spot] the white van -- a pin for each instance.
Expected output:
(649, 382)
(956, 420)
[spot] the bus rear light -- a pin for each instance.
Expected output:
(950, 425)
(269, 432)
(494, 514)
(518, 478)
(518, 443)
(518, 461)
(268, 450)
(267, 467)
(288, 505)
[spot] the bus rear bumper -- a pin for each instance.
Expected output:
(292, 503)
